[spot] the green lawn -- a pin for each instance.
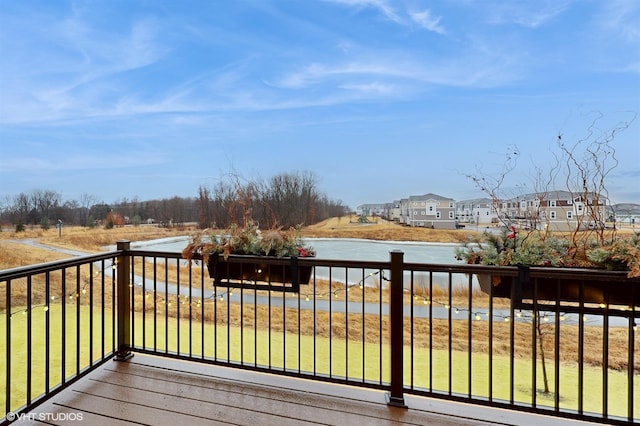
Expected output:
(280, 351)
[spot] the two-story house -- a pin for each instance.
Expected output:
(478, 211)
(627, 214)
(555, 210)
(372, 209)
(429, 211)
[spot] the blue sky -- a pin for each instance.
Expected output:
(380, 99)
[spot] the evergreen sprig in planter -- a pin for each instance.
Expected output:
(266, 260)
(539, 258)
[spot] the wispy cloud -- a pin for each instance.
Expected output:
(317, 73)
(81, 66)
(375, 88)
(402, 16)
(425, 20)
(74, 162)
(382, 6)
(525, 13)
(478, 66)
(622, 18)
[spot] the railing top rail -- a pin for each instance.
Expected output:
(23, 271)
(535, 272)
(513, 271)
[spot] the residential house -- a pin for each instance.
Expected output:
(393, 211)
(429, 211)
(556, 210)
(371, 209)
(478, 211)
(627, 214)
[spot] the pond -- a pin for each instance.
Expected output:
(341, 248)
(353, 249)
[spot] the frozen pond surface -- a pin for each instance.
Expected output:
(342, 248)
(353, 249)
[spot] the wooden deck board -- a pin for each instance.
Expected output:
(160, 391)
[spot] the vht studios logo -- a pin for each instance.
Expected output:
(43, 417)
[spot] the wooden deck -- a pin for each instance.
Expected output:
(150, 390)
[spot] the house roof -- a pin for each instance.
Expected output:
(428, 196)
(475, 201)
(626, 208)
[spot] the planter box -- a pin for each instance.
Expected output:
(562, 289)
(259, 274)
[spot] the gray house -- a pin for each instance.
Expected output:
(478, 211)
(555, 210)
(429, 211)
(627, 214)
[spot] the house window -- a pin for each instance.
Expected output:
(552, 214)
(430, 208)
(579, 207)
(552, 203)
(437, 215)
(450, 204)
(450, 215)
(569, 215)
(523, 204)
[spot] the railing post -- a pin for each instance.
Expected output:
(123, 309)
(396, 326)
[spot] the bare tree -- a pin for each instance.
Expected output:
(584, 167)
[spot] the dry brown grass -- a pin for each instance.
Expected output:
(13, 255)
(380, 229)
(94, 240)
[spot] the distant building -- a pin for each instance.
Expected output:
(553, 210)
(626, 213)
(556, 210)
(429, 211)
(371, 209)
(478, 211)
(393, 211)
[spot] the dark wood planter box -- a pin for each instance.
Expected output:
(258, 273)
(562, 289)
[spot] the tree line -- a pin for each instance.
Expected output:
(287, 199)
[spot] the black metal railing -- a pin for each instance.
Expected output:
(57, 322)
(535, 339)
